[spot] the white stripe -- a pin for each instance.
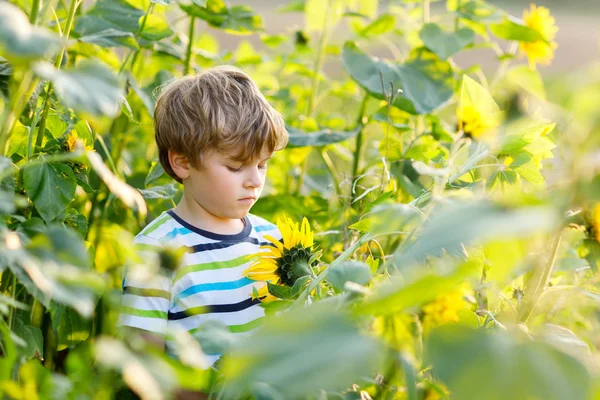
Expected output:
(148, 324)
(216, 297)
(144, 279)
(209, 276)
(145, 303)
(233, 318)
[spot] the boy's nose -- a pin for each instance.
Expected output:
(254, 179)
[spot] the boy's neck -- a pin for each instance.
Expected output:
(194, 214)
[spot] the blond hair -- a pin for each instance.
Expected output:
(218, 109)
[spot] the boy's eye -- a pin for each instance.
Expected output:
(233, 169)
(262, 166)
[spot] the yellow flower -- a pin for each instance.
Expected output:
(283, 263)
(595, 222)
(72, 139)
(474, 124)
(445, 308)
(542, 51)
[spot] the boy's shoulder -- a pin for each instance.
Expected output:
(264, 227)
(164, 227)
(156, 231)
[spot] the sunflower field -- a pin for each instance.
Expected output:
(440, 219)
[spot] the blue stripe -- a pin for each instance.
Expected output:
(223, 244)
(261, 228)
(177, 231)
(206, 287)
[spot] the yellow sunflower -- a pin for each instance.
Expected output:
(542, 51)
(594, 222)
(446, 308)
(284, 263)
(474, 124)
(72, 139)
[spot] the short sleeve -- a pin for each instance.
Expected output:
(146, 290)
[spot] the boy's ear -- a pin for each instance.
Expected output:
(180, 164)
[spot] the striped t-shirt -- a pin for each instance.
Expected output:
(206, 286)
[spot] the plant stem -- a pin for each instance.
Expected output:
(13, 110)
(314, 87)
(139, 34)
(359, 142)
(188, 52)
(539, 281)
(35, 9)
(57, 64)
(332, 170)
(13, 292)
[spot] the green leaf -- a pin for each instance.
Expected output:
(528, 368)
(479, 11)
(20, 40)
(280, 291)
(155, 28)
(167, 191)
(69, 326)
(32, 336)
(298, 138)
(88, 87)
(511, 30)
(425, 80)
(485, 221)
(111, 37)
(162, 2)
(348, 271)
(383, 24)
(300, 352)
(106, 14)
(51, 187)
(156, 171)
(525, 166)
(445, 44)
(238, 20)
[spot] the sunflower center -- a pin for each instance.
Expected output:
(294, 264)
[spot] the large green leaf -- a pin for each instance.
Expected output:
(424, 79)
(19, 39)
(111, 37)
(445, 44)
(116, 14)
(511, 30)
(349, 271)
(474, 221)
(238, 20)
(302, 351)
(51, 187)
(298, 138)
(88, 87)
(32, 336)
(69, 326)
(512, 366)
(155, 28)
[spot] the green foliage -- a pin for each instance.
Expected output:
(455, 206)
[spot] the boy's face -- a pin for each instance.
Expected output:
(224, 187)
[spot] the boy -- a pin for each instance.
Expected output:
(215, 133)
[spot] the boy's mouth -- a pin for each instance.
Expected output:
(250, 198)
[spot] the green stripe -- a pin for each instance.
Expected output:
(238, 328)
(246, 327)
(144, 313)
(146, 246)
(212, 265)
(196, 310)
(156, 224)
(147, 292)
